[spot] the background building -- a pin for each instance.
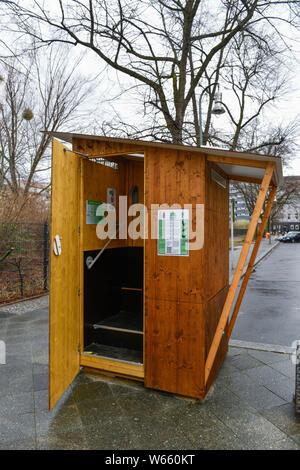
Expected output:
(286, 209)
(288, 217)
(240, 209)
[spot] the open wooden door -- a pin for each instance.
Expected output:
(64, 269)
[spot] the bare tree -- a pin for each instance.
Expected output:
(254, 73)
(45, 95)
(164, 47)
(287, 194)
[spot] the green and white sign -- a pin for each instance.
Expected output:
(173, 232)
(91, 208)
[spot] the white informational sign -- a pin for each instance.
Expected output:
(173, 232)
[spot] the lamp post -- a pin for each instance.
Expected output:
(218, 109)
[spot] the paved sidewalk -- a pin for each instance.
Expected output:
(249, 407)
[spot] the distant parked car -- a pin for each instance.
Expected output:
(291, 237)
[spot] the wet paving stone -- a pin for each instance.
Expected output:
(40, 369)
(93, 412)
(251, 392)
(157, 432)
(254, 429)
(24, 444)
(15, 368)
(17, 384)
(12, 405)
(220, 437)
(248, 407)
(62, 420)
(15, 427)
(41, 400)
(40, 382)
(296, 438)
(286, 368)
(40, 358)
(274, 381)
(244, 361)
(39, 348)
(95, 390)
(114, 433)
(267, 357)
(285, 418)
(72, 440)
(285, 444)
(17, 334)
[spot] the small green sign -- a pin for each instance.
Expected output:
(91, 208)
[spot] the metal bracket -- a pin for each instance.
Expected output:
(91, 261)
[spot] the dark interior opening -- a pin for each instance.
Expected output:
(113, 304)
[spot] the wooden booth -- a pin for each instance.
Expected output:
(149, 308)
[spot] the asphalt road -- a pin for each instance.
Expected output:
(270, 312)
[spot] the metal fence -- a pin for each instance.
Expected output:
(24, 260)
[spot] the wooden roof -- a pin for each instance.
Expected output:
(240, 166)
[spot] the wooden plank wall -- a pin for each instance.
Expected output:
(216, 260)
(184, 296)
(174, 286)
(134, 177)
(64, 273)
(96, 178)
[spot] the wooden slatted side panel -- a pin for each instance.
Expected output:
(216, 232)
(216, 256)
(238, 271)
(252, 260)
(213, 311)
(174, 285)
(64, 272)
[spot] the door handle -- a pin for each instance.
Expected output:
(57, 245)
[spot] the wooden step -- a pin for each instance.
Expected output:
(132, 288)
(116, 353)
(123, 321)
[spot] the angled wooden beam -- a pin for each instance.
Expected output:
(239, 269)
(245, 179)
(238, 161)
(114, 154)
(219, 170)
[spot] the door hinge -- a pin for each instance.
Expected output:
(78, 229)
(78, 292)
(79, 348)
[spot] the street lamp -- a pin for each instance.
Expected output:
(217, 109)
